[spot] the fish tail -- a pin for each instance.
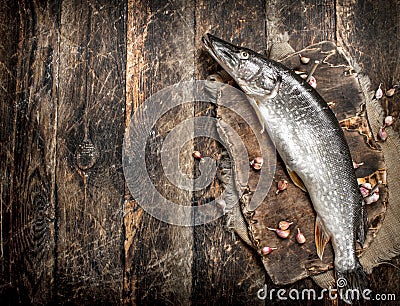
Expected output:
(351, 283)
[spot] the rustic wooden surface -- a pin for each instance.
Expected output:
(89, 181)
(158, 260)
(215, 248)
(64, 234)
(8, 72)
(32, 204)
(71, 74)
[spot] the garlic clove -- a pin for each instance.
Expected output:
(390, 92)
(357, 165)
(284, 225)
(282, 185)
(367, 186)
(300, 237)
(364, 192)
(197, 155)
(266, 250)
(313, 82)
(389, 121)
(379, 92)
(371, 198)
(365, 189)
(303, 74)
(257, 163)
(373, 193)
(382, 134)
(304, 59)
(281, 233)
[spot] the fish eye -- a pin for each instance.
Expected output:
(244, 55)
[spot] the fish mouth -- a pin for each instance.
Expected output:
(222, 51)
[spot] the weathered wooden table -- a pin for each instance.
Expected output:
(71, 75)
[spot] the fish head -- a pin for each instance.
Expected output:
(254, 73)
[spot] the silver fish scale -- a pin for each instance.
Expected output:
(311, 143)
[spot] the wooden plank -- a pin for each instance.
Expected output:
(301, 23)
(158, 256)
(32, 197)
(225, 269)
(365, 31)
(368, 30)
(8, 57)
(90, 184)
(84, 213)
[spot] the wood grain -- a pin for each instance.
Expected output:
(158, 256)
(300, 23)
(8, 71)
(90, 184)
(70, 231)
(368, 31)
(225, 270)
(32, 198)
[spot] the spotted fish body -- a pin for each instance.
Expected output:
(311, 142)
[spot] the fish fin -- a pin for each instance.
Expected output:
(296, 179)
(274, 92)
(260, 118)
(351, 283)
(363, 225)
(321, 237)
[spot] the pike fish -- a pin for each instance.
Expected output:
(312, 145)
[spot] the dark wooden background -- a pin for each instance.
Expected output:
(71, 74)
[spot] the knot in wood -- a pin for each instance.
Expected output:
(86, 155)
